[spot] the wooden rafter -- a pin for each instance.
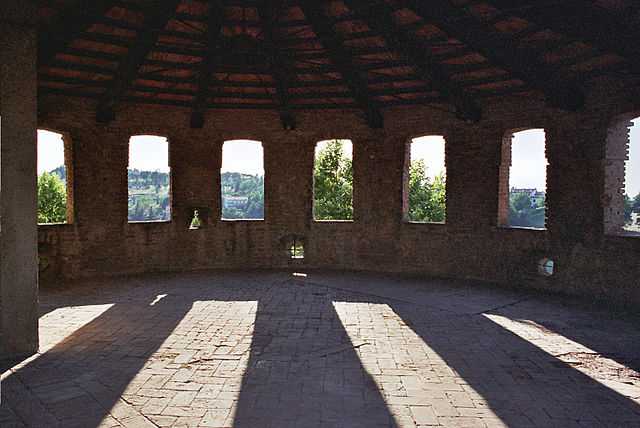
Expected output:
(340, 57)
(501, 51)
(379, 17)
(205, 74)
(584, 21)
(282, 73)
(72, 22)
(157, 16)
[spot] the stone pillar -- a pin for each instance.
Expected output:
(18, 153)
(503, 179)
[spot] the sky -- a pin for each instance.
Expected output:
(151, 153)
(633, 169)
(528, 161)
(431, 150)
(50, 151)
(243, 156)
(347, 147)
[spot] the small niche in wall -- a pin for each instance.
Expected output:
(546, 267)
(198, 217)
(293, 246)
(296, 250)
(196, 223)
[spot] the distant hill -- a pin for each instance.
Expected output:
(61, 172)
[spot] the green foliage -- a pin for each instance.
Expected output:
(525, 212)
(333, 184)
(52, 199)
(427, 198)
(148, 196)
(636, 204)
(628, 209)
(631, 206)
(242, 196)
(61, 172)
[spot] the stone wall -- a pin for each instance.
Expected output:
(18, 233)
(469, 245)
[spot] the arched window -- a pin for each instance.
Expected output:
(149, 179)
(425, 180)
(523, 180)
(622, 177)
(333, 180)
(55, 178)
(242, 180)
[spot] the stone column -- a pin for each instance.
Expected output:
(18, 153)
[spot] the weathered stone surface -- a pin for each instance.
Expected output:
(18, 233)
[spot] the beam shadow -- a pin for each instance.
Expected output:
(610, 335)
(304, 366)
(78, 381)
(519, 382)
(304, 370)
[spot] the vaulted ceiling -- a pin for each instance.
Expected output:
(291, 55)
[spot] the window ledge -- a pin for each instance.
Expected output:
(150, 222)
(531, 229)
(333, 221)
(624, 234)
(241, 220)
(425, 223)
(53, 225)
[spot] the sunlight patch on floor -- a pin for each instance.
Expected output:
(403, 367)
(565, 350)
(61, 323)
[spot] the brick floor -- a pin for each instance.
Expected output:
(326, 350)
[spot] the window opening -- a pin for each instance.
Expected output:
(149, 179)
(426, 180)
(333, 180)
(523, 180)
(632, 180)
(242, 180)
(54, 181)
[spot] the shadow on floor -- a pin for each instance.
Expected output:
(309, 364)
(609, 333)
(78, 381)
(522, 384)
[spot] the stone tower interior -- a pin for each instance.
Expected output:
(290, 74)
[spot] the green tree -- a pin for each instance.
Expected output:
(628, 209)
(523, 212)
(636, 204)
(333, 184)
(52, 199)
(427, 198)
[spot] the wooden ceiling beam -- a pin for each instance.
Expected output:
(157, 15)
(281, 70)
(71, 22)
(502, 51)
(379, 17)
(207, 66)
(583, 21)
(340, 57)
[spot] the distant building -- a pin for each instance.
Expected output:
(238, 202)
(537, 197)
